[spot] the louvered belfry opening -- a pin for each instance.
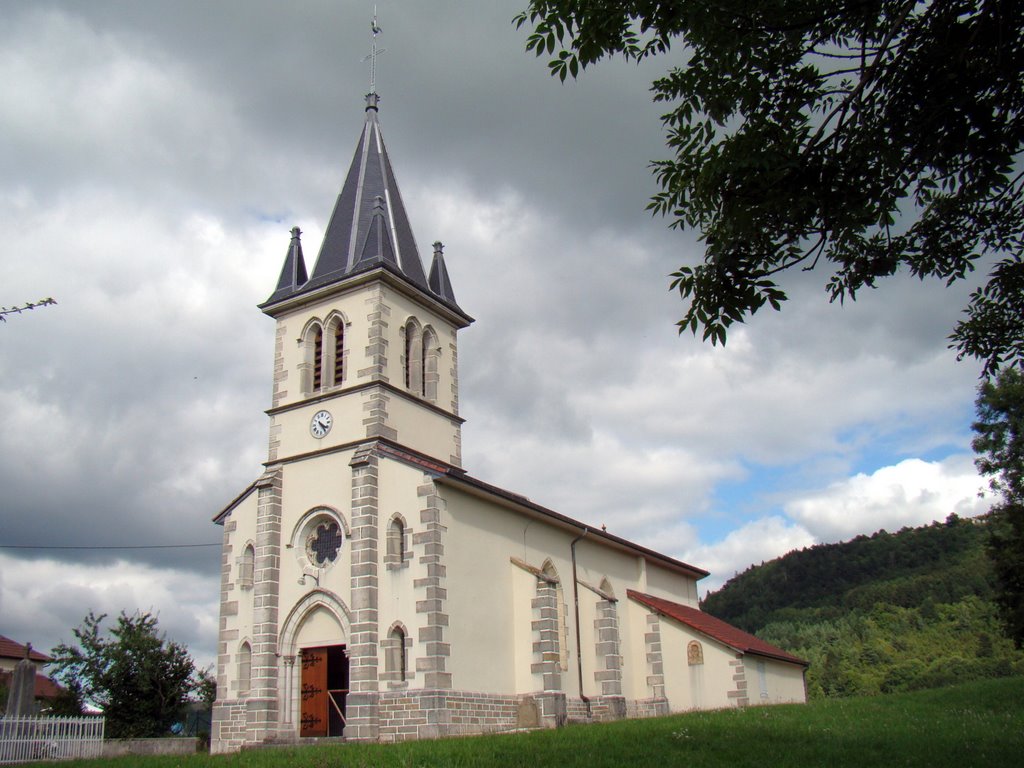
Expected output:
(318, 360)
(339, 353)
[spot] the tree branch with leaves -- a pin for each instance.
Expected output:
(28, 305)
(999, 443)
(871, 136)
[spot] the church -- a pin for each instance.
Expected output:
(372, 589)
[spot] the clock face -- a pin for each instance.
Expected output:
(320, 424)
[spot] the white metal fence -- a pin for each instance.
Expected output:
(24, 739)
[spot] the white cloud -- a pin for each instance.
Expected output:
(911, 493)
(757, 541)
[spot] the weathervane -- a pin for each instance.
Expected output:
(374, 53)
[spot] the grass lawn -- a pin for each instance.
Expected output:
(977, 724)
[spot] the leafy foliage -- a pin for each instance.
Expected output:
(869, 135)
(68, 702)
(880, 614)
(139, 679)
(941, 562)
(1000, 445)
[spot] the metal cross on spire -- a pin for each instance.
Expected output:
(374, 52)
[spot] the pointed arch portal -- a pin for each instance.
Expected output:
(323, 681)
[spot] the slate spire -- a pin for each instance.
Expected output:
(293, 273)
(438, 280)
(368, 229)
(357, 211)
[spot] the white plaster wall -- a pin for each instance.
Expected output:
(244, 518)
(716, 675)
(483, 588)
(347, 427)
(321, 481)
(489, 598)
(632, 630)
(785, 682)
(420, 428)
(594, 563)
(588, 612)
(397, 492)
(524, 589)
(662, 582)
(318, 628)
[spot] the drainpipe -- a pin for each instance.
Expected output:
(576, 603)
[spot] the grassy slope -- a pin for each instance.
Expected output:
(976, 724)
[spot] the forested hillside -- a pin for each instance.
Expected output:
(882, 613)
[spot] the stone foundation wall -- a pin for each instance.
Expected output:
(577, 711)
(431, 714)
(229, 726)
(606, 708)
(638, 708)
(409, 715)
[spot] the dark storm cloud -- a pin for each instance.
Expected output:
(153, 157)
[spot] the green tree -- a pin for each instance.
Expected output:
(139, 678)
(68, 702)
(1000, 447)
(858, 136)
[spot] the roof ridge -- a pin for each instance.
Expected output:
(715, 628)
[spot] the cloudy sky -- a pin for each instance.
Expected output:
(153, 157)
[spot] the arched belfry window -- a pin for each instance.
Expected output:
(339, 353)
(311, 369)
(413, 356)
(318, 359)
(333, 353)
(431, 355)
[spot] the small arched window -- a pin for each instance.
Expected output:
(396, 543)
(244, 669)
(247, 567)
(395, 662)
(431, 375)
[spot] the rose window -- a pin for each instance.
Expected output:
(323, 543)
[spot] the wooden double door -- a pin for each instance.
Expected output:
(324, 690)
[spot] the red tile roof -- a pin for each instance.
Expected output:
(12, 650)
(714, 628)
(45, 687)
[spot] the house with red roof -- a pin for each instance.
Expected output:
(11, 652)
